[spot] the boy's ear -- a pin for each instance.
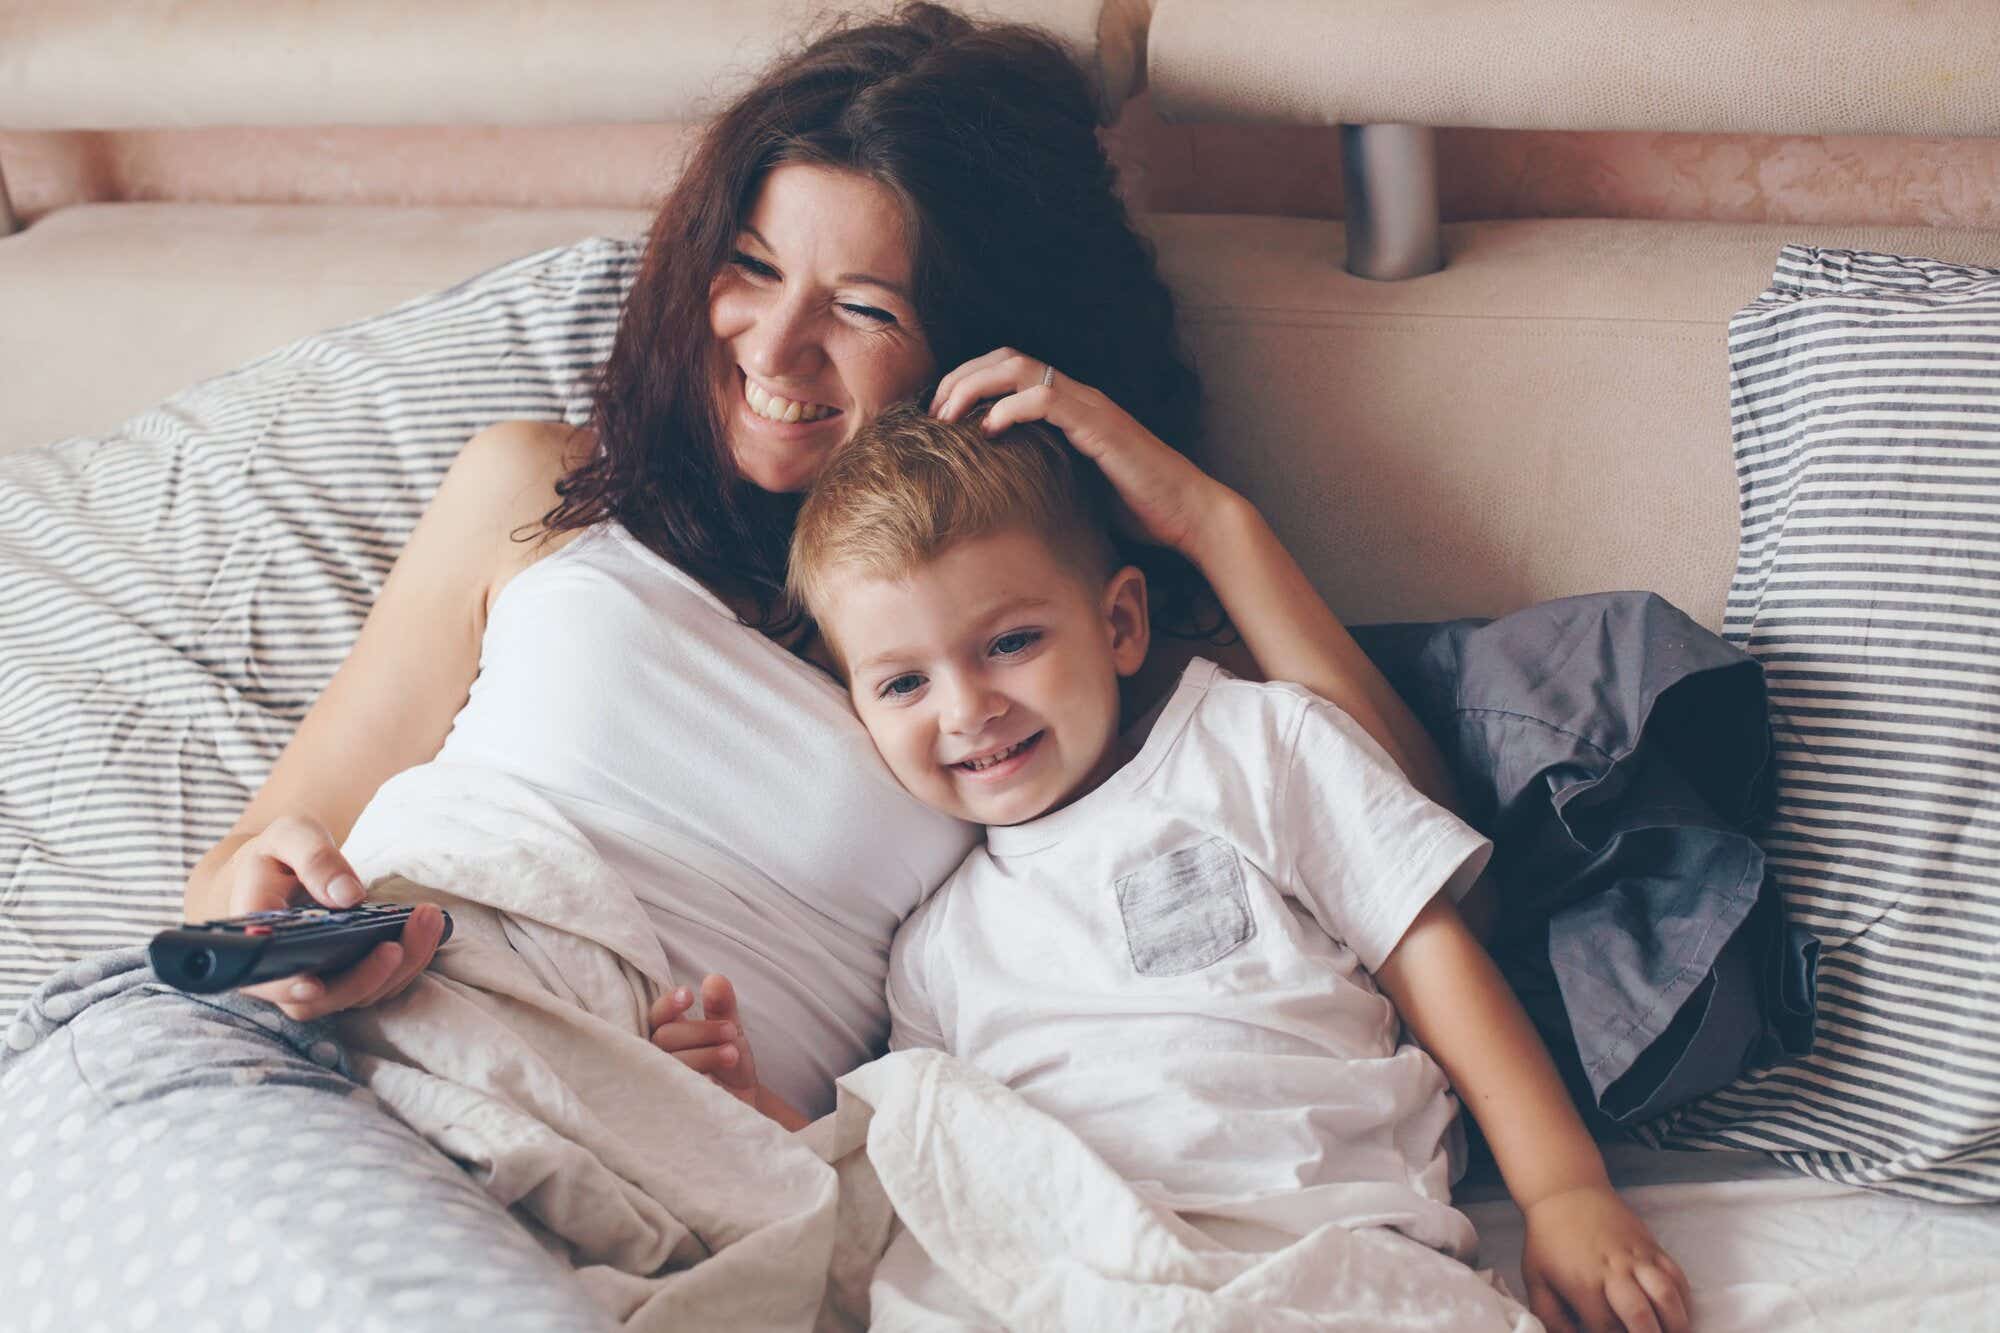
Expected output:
(1126, 617)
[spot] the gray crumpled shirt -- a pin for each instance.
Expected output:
(1619, 756)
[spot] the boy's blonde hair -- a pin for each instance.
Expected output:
(908, 486)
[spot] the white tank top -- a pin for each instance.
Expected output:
(725, 779)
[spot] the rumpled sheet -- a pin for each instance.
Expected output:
(1768, 1250)
(522, 1053)
(1020, 1226)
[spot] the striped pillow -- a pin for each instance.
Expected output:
(175, 594)
(1866, 400)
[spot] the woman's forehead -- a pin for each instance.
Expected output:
(840, 223)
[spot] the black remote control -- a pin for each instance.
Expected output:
(244, 950)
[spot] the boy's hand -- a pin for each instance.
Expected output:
(716, 1045)
(1591, 1266)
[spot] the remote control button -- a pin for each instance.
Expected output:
(256, 930)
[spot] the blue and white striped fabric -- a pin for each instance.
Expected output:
(1866, 402)
(174, 595)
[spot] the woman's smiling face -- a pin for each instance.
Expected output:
(815, 322)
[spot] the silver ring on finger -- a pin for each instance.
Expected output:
(1048, 374)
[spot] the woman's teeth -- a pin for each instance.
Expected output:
(773, 408)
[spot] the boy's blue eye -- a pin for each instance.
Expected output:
(902, 686)
(1016, 641)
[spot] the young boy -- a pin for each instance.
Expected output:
(1184, 946)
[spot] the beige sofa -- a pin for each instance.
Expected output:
(1547, 414)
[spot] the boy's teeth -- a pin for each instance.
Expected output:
(774, 408)
(976, 764)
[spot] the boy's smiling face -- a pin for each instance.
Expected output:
(988, 677)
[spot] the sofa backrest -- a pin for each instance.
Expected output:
(180, 63)
(1727, 66)
(1549, 414)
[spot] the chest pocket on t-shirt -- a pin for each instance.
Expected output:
(1185, 910)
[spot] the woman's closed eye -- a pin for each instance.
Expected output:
(869, 313)
(763, 272)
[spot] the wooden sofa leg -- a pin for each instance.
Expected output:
(9, 224)
(1390, 174)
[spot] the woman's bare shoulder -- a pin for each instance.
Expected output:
(504, 480)
(524, 459)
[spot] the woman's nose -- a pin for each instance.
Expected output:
(781, 342)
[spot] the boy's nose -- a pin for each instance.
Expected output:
(971, 707)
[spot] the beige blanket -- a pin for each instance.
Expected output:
(522, 1054)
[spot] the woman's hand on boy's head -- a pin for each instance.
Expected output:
(1591, 1266)
(1167, 499)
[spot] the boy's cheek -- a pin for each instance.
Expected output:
(883, 734)
(909, 763)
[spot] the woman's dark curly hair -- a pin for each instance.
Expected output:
(986, 135)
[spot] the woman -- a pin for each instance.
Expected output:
(886, 207)
(598, 613)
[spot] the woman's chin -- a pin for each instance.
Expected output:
(782, 457)
(780, 471)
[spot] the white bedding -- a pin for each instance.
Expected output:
(1769, 1251)
(522, 1054)
(1012, 1223)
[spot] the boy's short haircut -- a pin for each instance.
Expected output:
(908, 486)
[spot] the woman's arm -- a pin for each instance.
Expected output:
(386, 709)
(1586, 1253)
(1294, 635)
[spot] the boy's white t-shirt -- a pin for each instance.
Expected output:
(1175, 967)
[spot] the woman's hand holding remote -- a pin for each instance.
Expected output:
(292, 862)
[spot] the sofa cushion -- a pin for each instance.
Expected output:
(175, 592)
(105, 309)
(1866, 410)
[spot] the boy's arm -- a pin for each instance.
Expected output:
(1456, 1004)
(774, 1107)
(1586, 1252)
